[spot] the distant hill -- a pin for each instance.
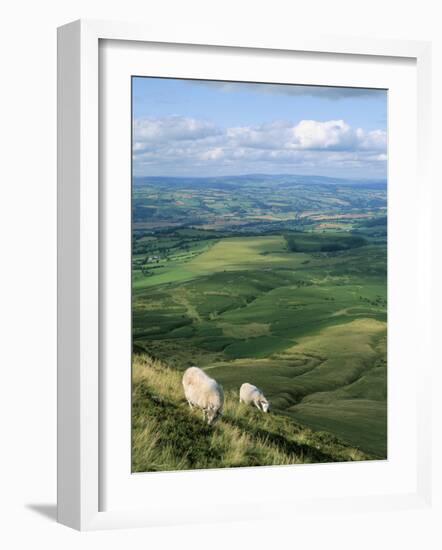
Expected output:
(263, 179)
(230, 202)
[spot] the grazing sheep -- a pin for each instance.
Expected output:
(250, 394)
(203, 392)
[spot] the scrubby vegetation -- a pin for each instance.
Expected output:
(167, 435)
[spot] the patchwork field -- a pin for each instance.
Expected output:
(299, 310)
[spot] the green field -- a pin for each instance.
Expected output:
(298, 310)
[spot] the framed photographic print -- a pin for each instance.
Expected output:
(259, 254)
(240, 286)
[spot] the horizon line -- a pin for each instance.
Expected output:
(254, 174)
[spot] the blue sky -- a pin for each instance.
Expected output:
(207, 128)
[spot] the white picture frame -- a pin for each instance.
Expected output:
(80, 262)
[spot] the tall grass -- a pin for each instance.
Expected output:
(168, 435)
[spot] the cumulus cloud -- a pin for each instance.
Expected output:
(332, 134)
(177, 145)
(308, 135)
(173, 128)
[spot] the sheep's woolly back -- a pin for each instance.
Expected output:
(201, 390)
(249, 393)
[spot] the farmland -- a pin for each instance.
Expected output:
(275, 280)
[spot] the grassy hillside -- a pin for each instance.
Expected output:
(310, 328)
(333, 381)
(278, 282)
(167, 435)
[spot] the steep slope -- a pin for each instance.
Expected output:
(167, 435)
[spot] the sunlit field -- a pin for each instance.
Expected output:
(297, 307)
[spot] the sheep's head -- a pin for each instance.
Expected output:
(265, 405)
(213, 415)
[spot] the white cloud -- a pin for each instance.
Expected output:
(332, 134)
(307, 135)
(178, 144)
(212, 154)
(376, 140)
(174, 128)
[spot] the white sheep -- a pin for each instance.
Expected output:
(251, 395)
(203, 392)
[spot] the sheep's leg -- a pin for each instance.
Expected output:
(257, 405)
(190, 404)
